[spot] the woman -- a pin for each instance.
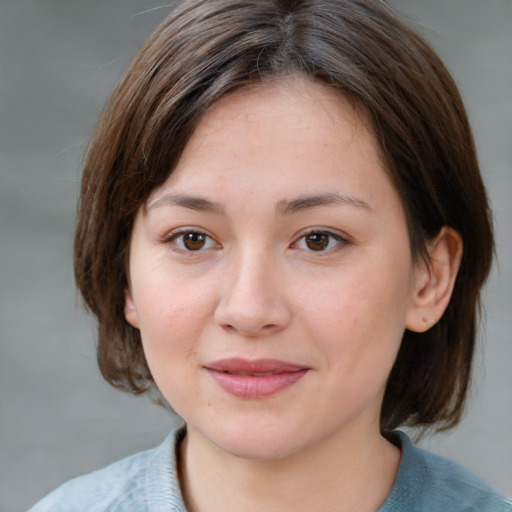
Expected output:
(284, 233)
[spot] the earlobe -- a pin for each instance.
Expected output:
(130, 313)
(435, 280)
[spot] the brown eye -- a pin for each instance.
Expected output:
(317, 241)
(192, 241)
(320, 241)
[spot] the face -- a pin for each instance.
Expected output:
(271, 274)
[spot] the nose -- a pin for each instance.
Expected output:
(253, 301)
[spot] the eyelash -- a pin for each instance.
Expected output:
(340, 240)
(173, 237)
(325, 238)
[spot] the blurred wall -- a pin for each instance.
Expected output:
(59, 59)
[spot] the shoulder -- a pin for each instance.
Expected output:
(458, 487)
(430, 483)
(137, 483)
(118, 486)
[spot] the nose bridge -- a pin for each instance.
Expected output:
(252, 302)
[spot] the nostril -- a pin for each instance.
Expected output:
(251, 312)
(250, 330)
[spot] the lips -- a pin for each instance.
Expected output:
(254, 379)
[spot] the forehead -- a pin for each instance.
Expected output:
(283, 125)
(298, 103)
(275, 144)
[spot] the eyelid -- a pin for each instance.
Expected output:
(342, 238)
(171, 236)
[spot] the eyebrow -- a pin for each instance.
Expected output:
(194, 203)
(283, 207)
(305, 202)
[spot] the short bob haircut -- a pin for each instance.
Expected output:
(206, 50)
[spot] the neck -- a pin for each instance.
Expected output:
(343, 473)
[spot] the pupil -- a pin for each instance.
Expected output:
(194, 241)
(317, 241)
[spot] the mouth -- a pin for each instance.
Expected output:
(254, 379)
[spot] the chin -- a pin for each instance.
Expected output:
(258, 440)
(258, 447)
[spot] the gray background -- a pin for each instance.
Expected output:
(59, 59)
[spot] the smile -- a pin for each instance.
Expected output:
(253, 374)
(254, 379)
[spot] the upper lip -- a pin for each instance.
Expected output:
(255, 366)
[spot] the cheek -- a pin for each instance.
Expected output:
(360, 314)
(172, 314)
(171, 325)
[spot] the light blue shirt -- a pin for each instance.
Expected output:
(148, 482)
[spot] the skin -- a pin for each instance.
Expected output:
(255, 286)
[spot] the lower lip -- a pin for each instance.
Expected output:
(255, 386)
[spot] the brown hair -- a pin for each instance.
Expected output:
(206, 50)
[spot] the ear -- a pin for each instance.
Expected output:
(434, 280)
(130, 313)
